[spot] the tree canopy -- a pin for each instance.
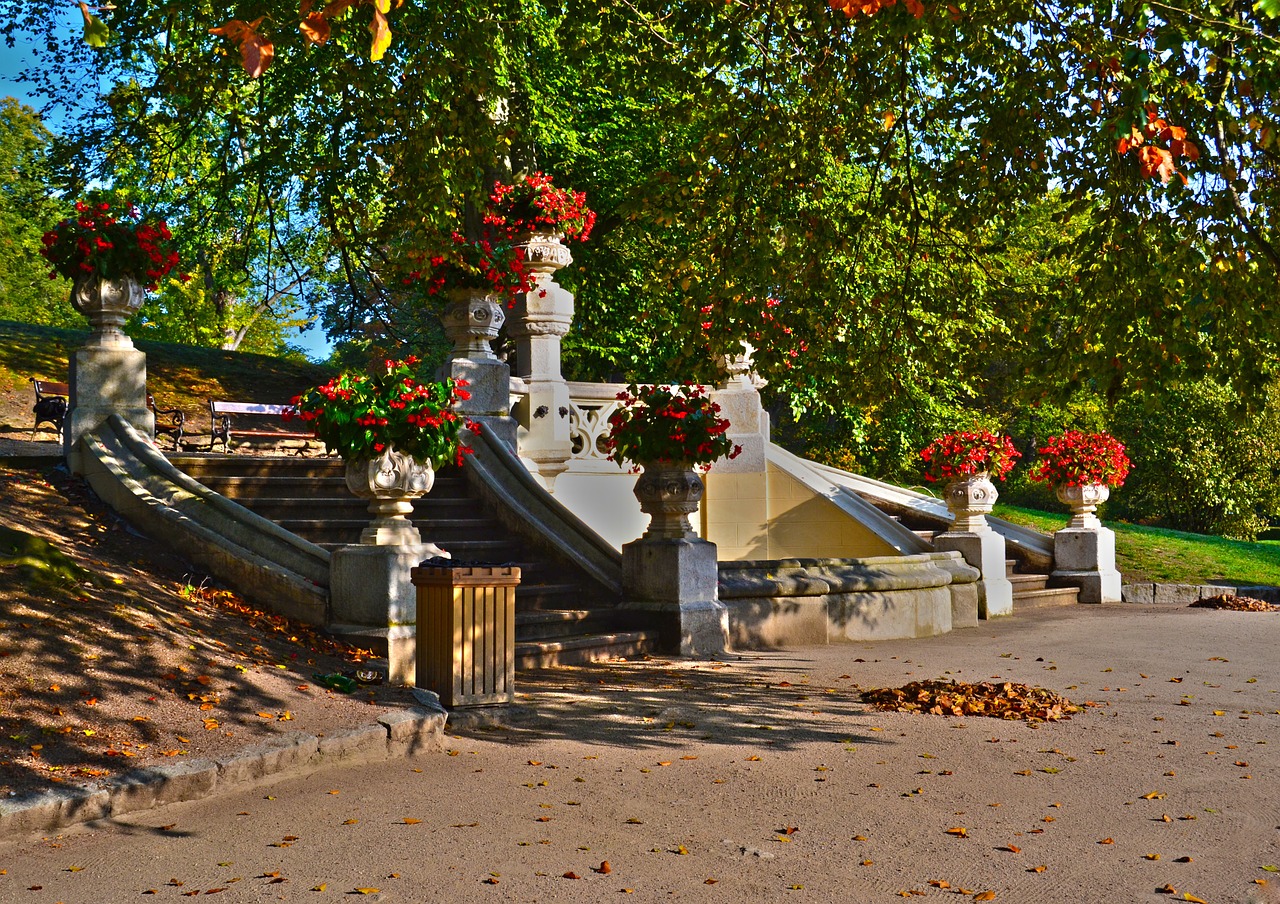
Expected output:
(876, 195)
(27, 207)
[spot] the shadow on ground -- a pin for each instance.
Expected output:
(756, 699)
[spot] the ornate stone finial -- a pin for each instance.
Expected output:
(739, 370)
(472, 320)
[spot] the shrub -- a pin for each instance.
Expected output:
(1199, 463)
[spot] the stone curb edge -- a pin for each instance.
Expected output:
(397, 733)
(1186, 594)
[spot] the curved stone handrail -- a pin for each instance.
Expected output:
(527, 508)
(243, 549)
(1028, 544)
(819, 480)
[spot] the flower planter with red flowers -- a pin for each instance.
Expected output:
(109, 258)
(1083, 467)
(392, 432)
(968, 460)
(670, 432)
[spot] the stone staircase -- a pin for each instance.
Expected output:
(562, 618)
(1031, 590)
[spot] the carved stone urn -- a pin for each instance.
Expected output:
(669, 493)
(472, 320)
(970, 500)
(1083, 502)
(107, 303)
(391, 482)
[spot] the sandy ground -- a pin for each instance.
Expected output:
(764, 778)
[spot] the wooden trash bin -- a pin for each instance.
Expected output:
(467, 632)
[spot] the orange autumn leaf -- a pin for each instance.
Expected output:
(985, 896)
(958, 831)
(256, 52)
(315, 27)
(410, 821)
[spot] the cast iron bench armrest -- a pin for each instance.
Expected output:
(51, 404)
(176, 419)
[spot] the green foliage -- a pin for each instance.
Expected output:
(39, 563)
(27, 208)
(915, 193)
(1200, 463)
(1170, 556)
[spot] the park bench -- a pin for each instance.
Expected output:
(51, 404)
(170, 422)
(222, 412)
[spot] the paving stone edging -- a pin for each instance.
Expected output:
(396, 733)
(1186, 594)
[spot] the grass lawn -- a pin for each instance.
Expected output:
(1172, 556)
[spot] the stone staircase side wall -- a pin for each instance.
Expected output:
(526, 508)
(239, 548)
(788, 602)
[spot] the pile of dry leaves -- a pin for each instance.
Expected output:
(1235, 604)
(954, 698)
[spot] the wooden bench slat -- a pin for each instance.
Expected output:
(47, 387)
(247, 408)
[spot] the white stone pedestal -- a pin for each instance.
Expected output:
(677, 581)
(105, 380)
(373, 601)
(539, 322)
(1086, 558)
(489, 383)
(985, 551)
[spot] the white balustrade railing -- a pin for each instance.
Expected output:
(590, 405)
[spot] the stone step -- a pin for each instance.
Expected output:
(584, 649)
(557, 619)
(925, 535)
(533, 596)
(1025, 582)
(562, 623)
(1045, 598)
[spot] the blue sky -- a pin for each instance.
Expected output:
(14, 59)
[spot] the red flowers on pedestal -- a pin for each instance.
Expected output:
(966, 453)
(99, 243)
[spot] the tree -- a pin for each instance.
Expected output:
(27, 208)
(865, 172)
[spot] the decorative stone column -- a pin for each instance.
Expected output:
(970, 501)
(371, 591)
(108, 375)
(540, 320)
(1084, 552)
(472, 321)
(736, 513)
(669, 572)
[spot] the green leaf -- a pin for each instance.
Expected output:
(96, 33)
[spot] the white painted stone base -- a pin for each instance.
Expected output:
(985, 551)
(1086, 558)
(371, 595)
(105, 381)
